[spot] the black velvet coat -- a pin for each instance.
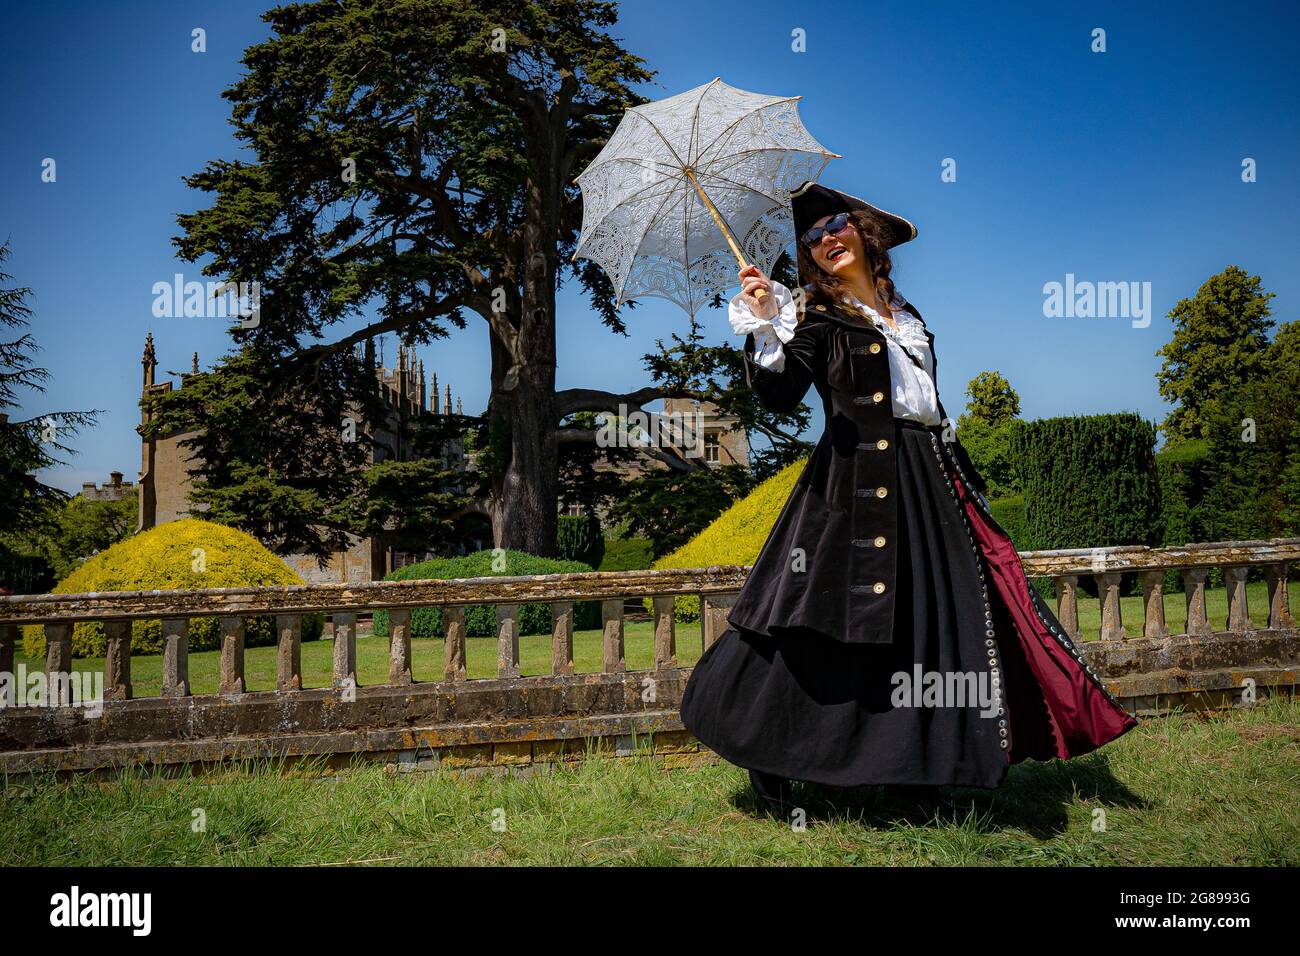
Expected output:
(829, 563)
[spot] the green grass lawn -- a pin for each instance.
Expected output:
(535, 650)
(1177, 791)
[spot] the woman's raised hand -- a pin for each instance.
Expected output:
(751, 280)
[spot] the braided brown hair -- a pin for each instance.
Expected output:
(823, 288)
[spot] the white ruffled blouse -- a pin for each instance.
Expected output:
(914, 394)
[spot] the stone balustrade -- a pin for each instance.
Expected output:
(499, 718)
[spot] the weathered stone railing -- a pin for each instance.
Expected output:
(1194, 562)
(514, 719)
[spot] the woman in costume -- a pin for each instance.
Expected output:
(887, 633)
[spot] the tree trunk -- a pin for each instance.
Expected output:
(526, 486)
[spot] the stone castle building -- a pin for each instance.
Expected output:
(115, 489)
(165, 480)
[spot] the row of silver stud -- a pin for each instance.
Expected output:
(1060, 637)
(990, 637)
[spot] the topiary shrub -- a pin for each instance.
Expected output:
(628, 554)
(25, 573)
(735, 537)
(578, 538)
(481, 619)
(176, 556)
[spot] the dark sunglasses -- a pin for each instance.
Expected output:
(835, 225)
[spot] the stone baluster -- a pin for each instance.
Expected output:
(400, 669)
(713, 615)
(562, 638)
(1279, 610)
(1067, 604)
(1153, 604)
(665, 632)
(1112, 620)
(58, 663)
(232, 655)
(117, 660)
(1198, 623)
(288, 652)
(611, 620)
(8, 643)
(176, 657)
(344, 675)
(507, 640)
(454, 665)
(1234, 580)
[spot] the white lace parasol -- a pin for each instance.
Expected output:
(646, 219)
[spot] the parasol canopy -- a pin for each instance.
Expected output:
(690, 186)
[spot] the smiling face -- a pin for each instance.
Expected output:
(843, 255)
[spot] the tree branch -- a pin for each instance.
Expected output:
(570, 400)
(315, 354)
(668, 455)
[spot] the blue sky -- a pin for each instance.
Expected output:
(1115, 166)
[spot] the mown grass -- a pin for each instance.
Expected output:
(535, 649)
(1179, 791)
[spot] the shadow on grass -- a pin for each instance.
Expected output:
(1034, 799)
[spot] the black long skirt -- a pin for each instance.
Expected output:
(808, 707)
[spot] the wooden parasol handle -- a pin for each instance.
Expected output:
(761, 294)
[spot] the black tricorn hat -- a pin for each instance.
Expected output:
(812, 201)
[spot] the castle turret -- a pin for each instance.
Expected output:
(402, 378)
(150, 361)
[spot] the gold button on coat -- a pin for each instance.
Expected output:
(880, 541)
(878, 587)
(875, 347)
(821, 308)
(881, 492)
(882, 444)
(879, 396)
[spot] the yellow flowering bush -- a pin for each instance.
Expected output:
(736, 536)
(178, 555)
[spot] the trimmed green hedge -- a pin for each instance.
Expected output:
(480, 619)
(578, 538)
(25, 573)
(1183, 469)
(1009, 512)
(628, 554)
(1088, 481)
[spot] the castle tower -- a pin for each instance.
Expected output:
(447, 402)
(423, 394)
(433, 395)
